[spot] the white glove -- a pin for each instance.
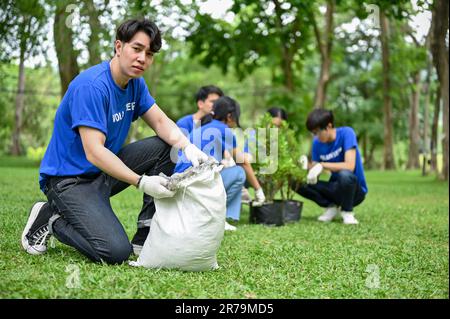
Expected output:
(260, 198)
(303, 160)
(155, 186)
(194, 155)
(314, 173)
(227, 160)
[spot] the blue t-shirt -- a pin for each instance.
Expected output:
(213, 139)
(335, 152)
(187, 124)
(93, 99)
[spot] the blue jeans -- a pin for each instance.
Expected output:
(233, 179)
(87, 221)
(342, 190)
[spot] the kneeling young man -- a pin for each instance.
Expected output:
(86, 163)
(334, 149)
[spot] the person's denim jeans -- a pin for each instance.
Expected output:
(233, 179)
(343, 190)
(87, 221)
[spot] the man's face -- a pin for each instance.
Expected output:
(134, 56)
(324, 135)
(206, 106)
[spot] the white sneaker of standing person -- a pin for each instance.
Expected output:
(229, 227)
(349, 218)
(329, 215)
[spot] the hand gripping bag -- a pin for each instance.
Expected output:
(187, 229)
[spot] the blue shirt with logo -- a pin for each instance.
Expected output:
(212, 138)
(93, 99)
(335, 152)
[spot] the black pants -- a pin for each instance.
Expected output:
(88, 222)
(342, 190)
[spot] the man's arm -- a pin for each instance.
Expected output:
(164, 127)
(244, 160)
(94, 146)
(348, 164)
(170, 133)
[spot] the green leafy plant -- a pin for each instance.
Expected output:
(288, 171)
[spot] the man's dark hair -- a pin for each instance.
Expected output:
(319, 119)
(221, 108)
(204, 91)
(277, 112)
(127, 30)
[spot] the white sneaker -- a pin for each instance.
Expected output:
(329, 214)
(36, 233)
(349, 218)
(229, 227)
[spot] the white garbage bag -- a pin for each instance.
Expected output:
(187, 229)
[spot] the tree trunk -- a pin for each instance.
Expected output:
(94, 38)
(440, 59)
(368, 162)
(426, 109)
(414, 136)
(65, 52)
(16, 148)
(426, 124)
(287, 70)
(445, 106)
(389, 162)
(324, 47)
(287, 49)
(434, 131)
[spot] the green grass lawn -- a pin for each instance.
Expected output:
(400, 249)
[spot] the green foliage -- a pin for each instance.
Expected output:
(41, 100)
(22, 28)
(35, 154)
(285, 149)
(8, 80)
(255, 38)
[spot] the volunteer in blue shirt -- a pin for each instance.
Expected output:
(215, 138)
(86, 163)
(334, 149)
(204, 98)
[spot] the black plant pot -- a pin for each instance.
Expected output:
(292, 210)
(267, 214)
(277, 213)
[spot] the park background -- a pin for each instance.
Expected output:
(381, 66)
